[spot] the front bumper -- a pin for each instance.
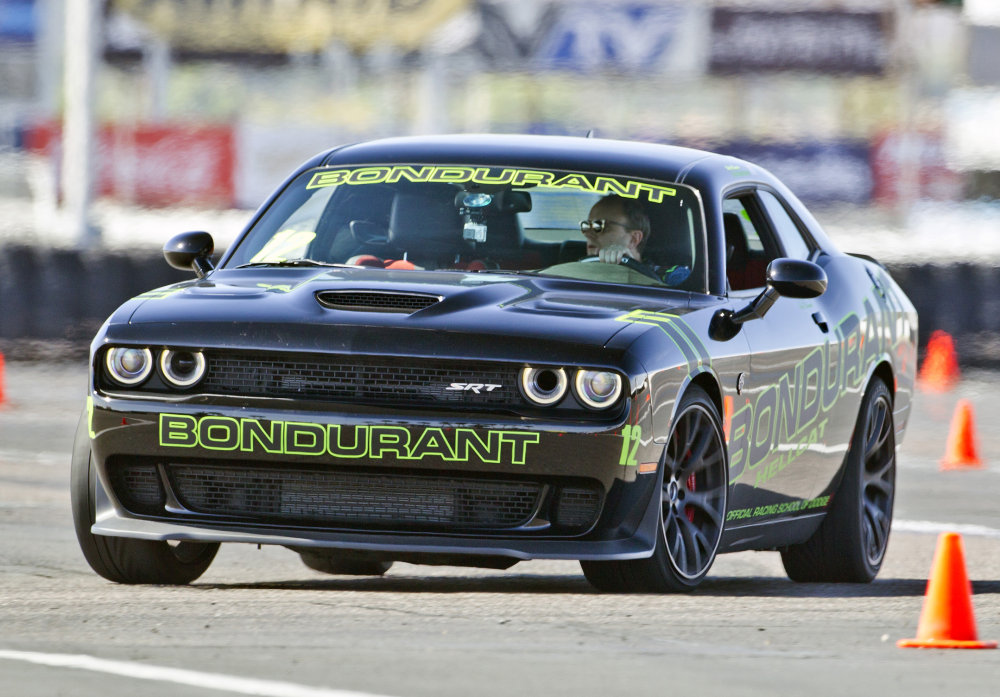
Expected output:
(316, 465)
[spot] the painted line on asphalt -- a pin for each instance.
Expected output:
(179, 676)
(930, 527)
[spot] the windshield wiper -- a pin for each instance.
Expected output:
(512, 272)
(289, 262)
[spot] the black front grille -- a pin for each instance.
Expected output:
(260, 494)
(361, 379)
(375, 301)
(139, 488)
(352, 498)
(574, 507)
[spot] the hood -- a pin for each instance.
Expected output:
(384, 311)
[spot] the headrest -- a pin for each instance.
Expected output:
(669, 240)
(419, 220)
(369, 202)
(736, 240)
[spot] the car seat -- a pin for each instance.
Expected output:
(425, 228)
(671, 244)
(368, 205)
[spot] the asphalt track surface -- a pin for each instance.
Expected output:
(260, 623)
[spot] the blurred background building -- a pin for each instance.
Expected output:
(880, 106)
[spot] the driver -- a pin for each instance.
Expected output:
(617, 227)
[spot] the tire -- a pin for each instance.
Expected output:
(343, 563)
(850, 544)
(121, 559)
(693, 497)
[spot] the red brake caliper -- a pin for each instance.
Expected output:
(689, 510)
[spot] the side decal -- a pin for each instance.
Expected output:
(160, 293)
(789, 417)
(90, 418)
(631, 435)
(685, 338)
(777, 508)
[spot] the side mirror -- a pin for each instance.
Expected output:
(795, 278)
(190, 251)
(791, 278)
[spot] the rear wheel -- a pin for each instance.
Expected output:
(120, 559)
(850, 544)
(693, 498)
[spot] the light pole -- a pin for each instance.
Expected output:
(79, 161)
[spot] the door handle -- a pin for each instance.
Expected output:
(820, 321)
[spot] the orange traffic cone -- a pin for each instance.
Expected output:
(940, 371)
(947, 621)
(962, 450)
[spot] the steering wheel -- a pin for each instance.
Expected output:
(644, 269)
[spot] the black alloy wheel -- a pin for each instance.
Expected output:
(694, 493)
(878, 478)
(693, 497)
(850, 544)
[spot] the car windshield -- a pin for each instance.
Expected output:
(483, 219)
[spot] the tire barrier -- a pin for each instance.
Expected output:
(58, 298)
(53, 301)
(962, 299)
(19, 287)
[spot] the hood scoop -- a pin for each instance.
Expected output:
(376, 300)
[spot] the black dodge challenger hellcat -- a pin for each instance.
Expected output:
(475, 350)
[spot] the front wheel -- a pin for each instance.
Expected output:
(850, 544)
(120, 559)
(693, 498)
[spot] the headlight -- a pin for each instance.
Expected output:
(544, 386)
(597, 389)
(128, 366)
(182, 368)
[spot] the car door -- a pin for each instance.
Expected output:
(783, 451)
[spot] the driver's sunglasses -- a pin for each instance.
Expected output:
(597, 226)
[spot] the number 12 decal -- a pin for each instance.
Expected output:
(630, 437)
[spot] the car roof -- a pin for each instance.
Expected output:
(653, 160)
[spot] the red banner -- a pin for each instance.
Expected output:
(919, 156)
(157, 165)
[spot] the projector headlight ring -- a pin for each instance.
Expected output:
(597, 389)
(182, 368)
(128, 365)
(544, 386)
